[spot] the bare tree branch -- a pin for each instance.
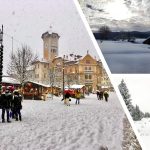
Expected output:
(19, 63)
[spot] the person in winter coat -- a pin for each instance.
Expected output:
(97, 93)
(78, 96)
(17, 105)
(101, 95)
(66, 100)
(6, 99)
(106, 95)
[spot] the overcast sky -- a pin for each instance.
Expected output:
(118, 14)
(26, 20)
(139, 88)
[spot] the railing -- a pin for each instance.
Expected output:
(88, 81)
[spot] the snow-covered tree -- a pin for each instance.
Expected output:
(137, 114)
(147, 115)
(126, 96)
(20, 61)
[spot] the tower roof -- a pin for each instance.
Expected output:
(48, 34)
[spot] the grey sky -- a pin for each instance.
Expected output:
(118, 14)
(26, 20)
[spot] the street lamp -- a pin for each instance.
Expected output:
(1, 56)
(63, 78)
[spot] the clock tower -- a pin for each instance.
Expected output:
(50, 45)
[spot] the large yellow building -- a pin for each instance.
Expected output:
(77, 69)
(84, 70)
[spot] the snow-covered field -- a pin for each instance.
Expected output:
(50, 125)
(126, 57)
(143, 128)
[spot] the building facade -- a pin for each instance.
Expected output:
(77, 69)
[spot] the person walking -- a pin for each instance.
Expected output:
(106, 95)
(78, 96)
(6, 99)
(17, 105)
(97, 93)
(66, 100)
(101, 95)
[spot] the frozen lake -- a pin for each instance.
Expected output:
(125, 57)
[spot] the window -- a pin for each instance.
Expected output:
(38, 65)
(53, 50)
(88, 76)
(44, 65)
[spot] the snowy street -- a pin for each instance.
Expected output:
(143, 128)
(50, 125)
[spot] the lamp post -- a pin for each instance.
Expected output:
(1, 56)
(63, 78)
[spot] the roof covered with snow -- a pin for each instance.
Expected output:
(76, 86)
(41, 84)
(10, 80)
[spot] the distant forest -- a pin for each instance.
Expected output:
(119, 35)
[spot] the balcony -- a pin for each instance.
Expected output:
(88, 81)
(88, 71)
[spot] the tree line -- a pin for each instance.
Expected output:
(105, 33)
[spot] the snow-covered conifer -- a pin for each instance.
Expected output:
(126, 96)
(137, 114)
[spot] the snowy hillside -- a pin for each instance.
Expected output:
(143, 128)
(50, 125)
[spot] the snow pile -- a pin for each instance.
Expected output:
(50, 125)
(143, 128)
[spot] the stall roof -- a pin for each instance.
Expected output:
(76, 86)
(41, 84)
(44, 85)
(10, 80)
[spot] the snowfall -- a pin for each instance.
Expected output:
(51, 125)
(143, 128)
(126, 57)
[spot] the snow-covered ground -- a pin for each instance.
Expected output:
(50, 125)
(143, 128)
(126, 57)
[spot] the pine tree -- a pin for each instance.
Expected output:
(137, 114)
(126, 96)
(147, 115)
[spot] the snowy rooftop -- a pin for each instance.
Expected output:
(74, 86)
(10, 80)
(44, 85)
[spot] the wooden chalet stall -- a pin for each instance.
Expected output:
(39, 91)
(35, 90)
(11, 82)
(55, 90)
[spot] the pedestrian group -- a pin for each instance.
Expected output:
(67, 98)
(10, 103)
(102, 94)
